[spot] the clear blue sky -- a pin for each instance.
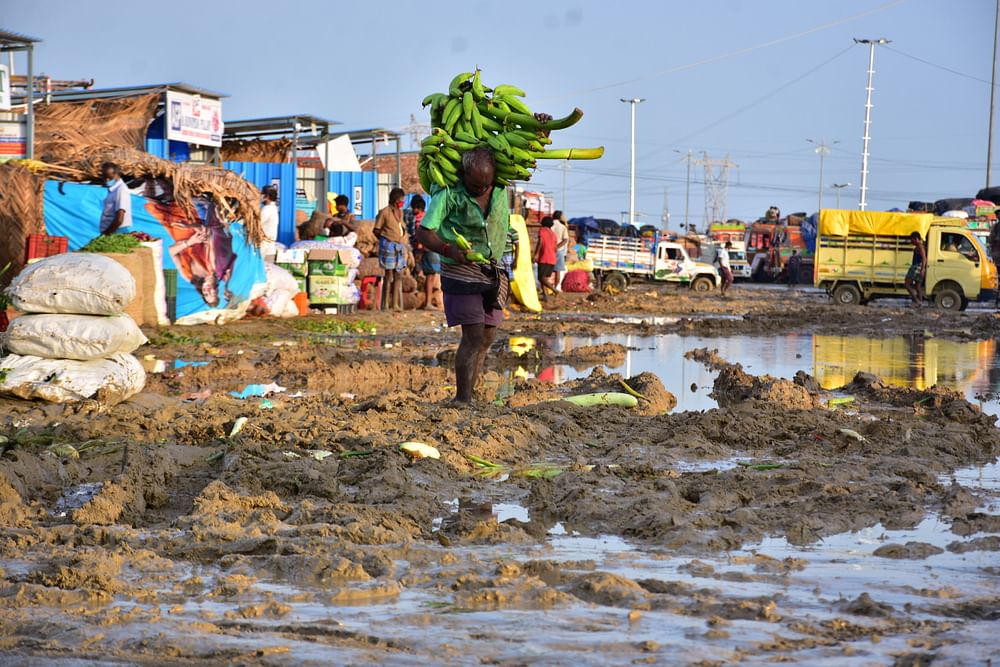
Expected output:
(370, 63)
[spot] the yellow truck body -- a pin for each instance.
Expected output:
(862, 255)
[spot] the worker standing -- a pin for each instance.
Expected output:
(116, 216)
(725, 269)
(918, 268)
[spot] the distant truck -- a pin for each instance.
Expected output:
(619, 261)
(863, 255)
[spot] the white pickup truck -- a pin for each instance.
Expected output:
(619, 261)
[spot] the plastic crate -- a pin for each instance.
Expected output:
(40, 246)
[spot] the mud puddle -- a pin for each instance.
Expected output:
(972, 367)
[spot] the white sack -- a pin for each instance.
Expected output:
(81, 337)
(109, 381)
(81, 283)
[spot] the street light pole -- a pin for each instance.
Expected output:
(872, 43)
(687, 188)
(838, 187)
(631, 183)
(993, 91)
(822, 150)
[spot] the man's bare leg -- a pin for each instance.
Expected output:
(489, 335)
(467, 360)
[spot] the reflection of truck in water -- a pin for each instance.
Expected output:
(905, 361)
(619, 261)
(862, 255)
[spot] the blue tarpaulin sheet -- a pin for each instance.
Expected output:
(216, 267)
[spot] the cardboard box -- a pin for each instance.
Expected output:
(323, 262)
(293, 261)
(325, 290)
(301, 281)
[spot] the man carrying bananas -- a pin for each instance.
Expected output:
(467, 225)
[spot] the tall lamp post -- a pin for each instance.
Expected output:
(838, 187)
(687, 188)
(633, 102)
(872, 43)
(822, 150)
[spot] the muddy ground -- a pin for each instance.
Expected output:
(150, 532)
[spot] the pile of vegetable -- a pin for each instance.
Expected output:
(115, 243)
(470, 115)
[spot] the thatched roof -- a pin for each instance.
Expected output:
(20, 215)
(256, 150)
(75, 138)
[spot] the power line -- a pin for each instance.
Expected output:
(732, 54)
(940, 67)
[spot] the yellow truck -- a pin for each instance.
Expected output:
(863, 255)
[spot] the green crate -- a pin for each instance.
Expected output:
(170, 282)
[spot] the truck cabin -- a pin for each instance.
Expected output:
(952, 242)
(670, 252)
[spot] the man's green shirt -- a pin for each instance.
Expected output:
(453, 210)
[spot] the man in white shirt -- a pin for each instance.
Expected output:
(116, 216)
(269, 222)
(725, 269)
(562, 245)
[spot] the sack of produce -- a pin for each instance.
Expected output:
(77, 283)
(81, 337)
(577, 281)
(109, 381)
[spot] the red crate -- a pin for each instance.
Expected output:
(42, 245)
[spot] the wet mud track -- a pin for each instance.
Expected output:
(772, 528)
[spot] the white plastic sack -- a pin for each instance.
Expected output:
(109, 381)
(80, 283)
(81, 337)
(962, 215)
(281, 289)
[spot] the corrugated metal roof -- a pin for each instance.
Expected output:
(130, 91)
(275, 126)
(11, 38)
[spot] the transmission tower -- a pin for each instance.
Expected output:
(417, 131)
(716, 186)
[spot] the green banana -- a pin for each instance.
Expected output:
(454, 88)
(503, 106)
(562, 123)
(477, 87)
(452, 117)
(489, 124)
(465, 126)
(502, 160)
(467, 105)
(466, 146)
(436, 174)
(517, 140)
(429, 149)
(451, 153)
(505, 89)
(449, 109)
(520, 155)
(476, 257)
(515, 104)
(463, 243)
(502, 182)
(435, 100)
(572, 154)
(494, 143)
(446, 166)
(424, 175)
(477, 122)
(467, 137)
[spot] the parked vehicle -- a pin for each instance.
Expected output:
(863, 255)
(619, 261)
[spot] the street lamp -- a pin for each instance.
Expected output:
(687, 189)
(872, 43)
(838, 187)
(631, 184)
(822, 150)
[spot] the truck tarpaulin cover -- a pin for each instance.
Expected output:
(217, 270)
(833, 222)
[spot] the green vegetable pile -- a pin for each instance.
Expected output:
(116, 243)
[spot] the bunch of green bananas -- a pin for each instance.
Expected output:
(470, 115)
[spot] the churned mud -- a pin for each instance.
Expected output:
(187, 525)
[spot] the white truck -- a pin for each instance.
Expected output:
(619, 261)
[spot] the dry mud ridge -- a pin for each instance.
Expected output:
(160, 539)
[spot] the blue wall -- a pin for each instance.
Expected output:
(158, 145)
(343, 183)
(264, 173)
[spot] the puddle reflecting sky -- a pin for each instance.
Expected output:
(972, 367)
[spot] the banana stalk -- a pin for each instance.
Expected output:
(571, 154)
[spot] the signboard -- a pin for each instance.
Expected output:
(359, 200)
(194, 119)
(4, 88)
(13, 142)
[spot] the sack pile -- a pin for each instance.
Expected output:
(74, 341)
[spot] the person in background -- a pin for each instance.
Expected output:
(269, 221)
(116, 216)
(342, 222)
(391, 234)
(545, 256)
(562, 246)
(474, 294)
(793, 268)
(314, 226)
(918, 268)
(725, 269)
(510, 250)
(428, 261)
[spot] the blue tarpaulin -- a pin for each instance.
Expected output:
(216, 267)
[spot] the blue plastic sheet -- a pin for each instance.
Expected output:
(216, 267)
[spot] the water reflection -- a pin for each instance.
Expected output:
(971, 367)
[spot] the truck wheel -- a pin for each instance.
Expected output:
(948, 298)
(702, 284)
(846, 295)
(616, 281)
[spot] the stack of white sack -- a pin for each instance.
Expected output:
(74, 341)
